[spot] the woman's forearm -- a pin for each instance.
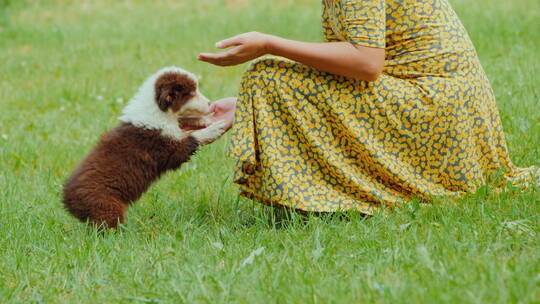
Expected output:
(341, 58)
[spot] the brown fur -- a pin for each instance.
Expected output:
(173, 90)
(127, 160)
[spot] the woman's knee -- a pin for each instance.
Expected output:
(263, 72)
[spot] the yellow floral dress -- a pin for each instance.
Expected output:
(314, 141)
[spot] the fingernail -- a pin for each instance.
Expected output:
(219, 44)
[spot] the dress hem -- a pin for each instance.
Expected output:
(371, 210)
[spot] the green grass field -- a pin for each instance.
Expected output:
(68, 67)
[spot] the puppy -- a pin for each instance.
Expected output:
(148, 142)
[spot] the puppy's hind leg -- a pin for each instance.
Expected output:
(108, 213)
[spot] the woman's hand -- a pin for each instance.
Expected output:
(244, 47)
(223, 109)
(339, 58)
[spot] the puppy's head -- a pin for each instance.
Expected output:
(178, 93)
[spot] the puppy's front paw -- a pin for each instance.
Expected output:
(209, 134)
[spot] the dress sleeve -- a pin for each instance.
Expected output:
(328, 32)
(365, 22)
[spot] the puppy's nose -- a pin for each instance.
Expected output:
(205, 100)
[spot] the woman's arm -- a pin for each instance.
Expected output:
(340, 58)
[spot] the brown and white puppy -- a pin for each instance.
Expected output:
(147, 143)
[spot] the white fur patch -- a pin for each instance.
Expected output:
(209, 134)
(142, 110)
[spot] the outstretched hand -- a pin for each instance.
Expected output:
(243, 48)
(223, 109)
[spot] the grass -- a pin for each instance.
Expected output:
(67, 67)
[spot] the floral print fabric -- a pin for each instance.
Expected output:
(314, 141)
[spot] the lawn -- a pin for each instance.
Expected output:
(68, 67)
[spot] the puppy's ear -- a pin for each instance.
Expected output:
(173, 90)
(164, 100)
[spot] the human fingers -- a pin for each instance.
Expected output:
(214, 56)
(219, 62)
(233, 41)
(211, 109)
(228, 119)
(222, 58)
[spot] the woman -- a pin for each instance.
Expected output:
(393, 105)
